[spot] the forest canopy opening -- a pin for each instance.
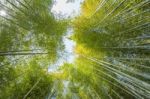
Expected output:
(74, 49)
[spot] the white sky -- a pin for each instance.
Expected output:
(2, 12)
(67, 9)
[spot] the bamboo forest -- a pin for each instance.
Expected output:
(74, 49)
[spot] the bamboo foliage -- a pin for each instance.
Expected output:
(112, 47)
(29, 38)
(117, 28)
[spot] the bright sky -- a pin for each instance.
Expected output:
(2, 13)
(68, 9)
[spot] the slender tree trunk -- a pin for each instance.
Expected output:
(19, 51)
(16, 54)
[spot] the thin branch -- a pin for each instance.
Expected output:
(31, 89)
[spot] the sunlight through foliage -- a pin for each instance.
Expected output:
(74, 49)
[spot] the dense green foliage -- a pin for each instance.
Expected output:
(29, 25)
(119, 29)
(29, 38)
(113, 51)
